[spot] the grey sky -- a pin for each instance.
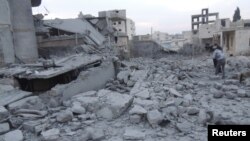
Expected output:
(172, 16)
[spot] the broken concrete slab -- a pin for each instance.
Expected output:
(144, 94)
(154, 118)
(218, 94)
(138, 75)
(117, 103)
(193, 110)
(93, 79)
(12, 96)
(15, 135)
(137, 110)
(241, 93)
(230, 95)
(51, 135)
(4, 127)
(5, 88)
(32, 102)
(174, 92)
(87, 94)
(35, 126)
(64, 116)
(4, 113)
(97, 135)
(135, 118)
(147, 104)
(230, 87)
(91, 104)
(77, 108)
(184, 127)
(123, 76)
(133, 134)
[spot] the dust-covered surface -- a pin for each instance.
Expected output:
(172, 98)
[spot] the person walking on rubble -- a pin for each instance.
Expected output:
(219, 60)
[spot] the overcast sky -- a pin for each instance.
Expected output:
(171, 16)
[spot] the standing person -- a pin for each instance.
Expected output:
(219, 58)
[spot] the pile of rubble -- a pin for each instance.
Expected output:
(166, 99)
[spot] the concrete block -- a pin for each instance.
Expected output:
(133, 134)
(51, 135)
(4, 127)
(32, 102)
(154, 118)
(64, 116)
(4, 113)
(144, 94)
(116, 103)
(137, 110)
(15, 135)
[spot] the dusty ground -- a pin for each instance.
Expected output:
(172, 98)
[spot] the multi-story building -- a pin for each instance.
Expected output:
(161, 36)
(120, 22)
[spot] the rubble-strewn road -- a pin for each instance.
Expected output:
(172, 98)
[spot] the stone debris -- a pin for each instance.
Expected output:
(193, 111)
(164, 99)
(64, 116)
(4, 113)
(133, 134)
(4, 127)
(51, 135)
(32, 102)
(241, 93)
(15, 135)
(116, 103)
(174, 92)
(154, 118)
(77, 108)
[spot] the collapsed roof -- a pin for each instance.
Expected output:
(77, 26)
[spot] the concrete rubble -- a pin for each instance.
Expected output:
(150, 99)
(91, 94)
(159, 100)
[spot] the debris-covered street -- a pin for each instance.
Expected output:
(171, 98)
(137, 73)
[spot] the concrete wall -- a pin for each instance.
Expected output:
(23, 30)
(122, 41)
(242, 38)
(120, 25)
(6, 42)
(207, 31)
(148, 49)
(6, 46)
(187, 36)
